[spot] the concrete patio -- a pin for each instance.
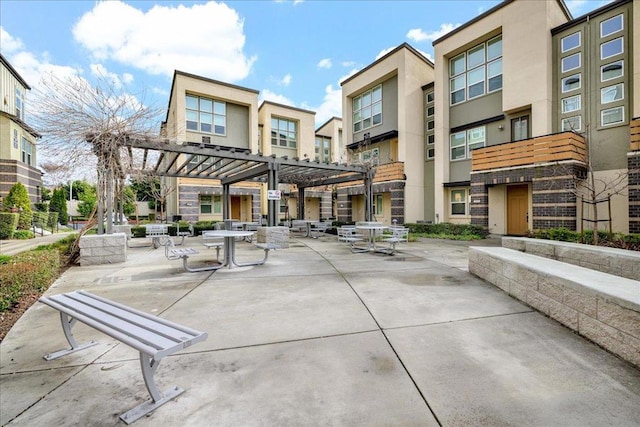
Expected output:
(319, 336)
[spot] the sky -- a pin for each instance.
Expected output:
(293, 52)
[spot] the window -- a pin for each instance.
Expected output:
(283, 133)
(612, 93)
(570, 42)
(571, 62)
(612, 71)
(323, 149)
(283, 206)
(205, 204)
(476, 72)
(570, 104)
(461, 143)
(206, 115)
(27, 151)
(19, 104)
(520, 128)
(572, 124)
(458, 202)
(367, 109)
(379, 208)
(430, 97)
(217, 204)
(571, 83)
(370, 156)
(612, 116)
(610, 26)
(612, 48)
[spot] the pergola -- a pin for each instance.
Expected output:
(234, 165)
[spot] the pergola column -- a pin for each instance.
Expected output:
(272, 205)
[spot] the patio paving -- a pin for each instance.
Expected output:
(319, 336)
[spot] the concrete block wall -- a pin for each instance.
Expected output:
(601, 307)
(103, 249)
(276, 235)
(618, 262)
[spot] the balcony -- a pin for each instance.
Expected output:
(529, 152)
(635, 134)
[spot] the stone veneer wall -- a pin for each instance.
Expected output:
(599, 306)
(633, 161)
(190, 204)
(103, 249)
(12, 171)
(554, 202)
(394, 188)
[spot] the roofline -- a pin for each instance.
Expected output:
(285, 106)
(388, 54)
(327, 122)
(22, 124)
(495, 8)
(14, 72)
(205, 79)
(583, 18)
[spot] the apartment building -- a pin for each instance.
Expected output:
(383, 120)
(213, 114)
(17, 138)
(529, 105)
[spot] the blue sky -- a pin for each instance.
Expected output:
(293, 52)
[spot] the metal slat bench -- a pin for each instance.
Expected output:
(173, 253)
(153, 337)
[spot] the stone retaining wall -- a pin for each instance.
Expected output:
(599, 306)
(618, 262)
(103, 249)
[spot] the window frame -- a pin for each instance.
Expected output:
(202, 203)
(602, 67)
(621, 16)
(602, 45)
(363, 107)
(564, 102)
(26, 151)
(567, 119)
(562, 62)
(453, 201)
(284, 134)
(603, 102)
(602, 113)
(562, 47)
(215, 114)
(322, 148)
(562, 82)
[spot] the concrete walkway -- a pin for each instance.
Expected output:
(319, 336)
(12, 247)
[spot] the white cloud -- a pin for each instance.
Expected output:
(419, 35)
(331, 105)
(348, 63)
(286, 80)
(267, 95)
(384, 52)
(351, 73)
(325, 63)
(204, 39)
(426, 55)
(99, 71)
(9, 43)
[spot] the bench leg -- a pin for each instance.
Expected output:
(67, 324)
(149, 367)
(198, 269)
(248, 264)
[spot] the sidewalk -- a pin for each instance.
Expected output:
(319, 336)
(12, 247)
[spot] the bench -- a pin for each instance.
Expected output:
(600, 306)
(153, 337)
(213, 242)
(398, 235)
(173, 253)
(158, 233)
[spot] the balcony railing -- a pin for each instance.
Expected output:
(542, 149)
(635, 134)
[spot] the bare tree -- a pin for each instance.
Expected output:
(92, 122)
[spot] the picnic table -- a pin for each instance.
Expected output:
(229, 237)
(370, 230)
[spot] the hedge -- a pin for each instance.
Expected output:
(8, 224)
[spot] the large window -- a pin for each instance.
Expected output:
(27, 151)
(367, 109)
(323, 149)
(572, 124)
(206, 115)
(611, 48)
(571, 62)
(612, 93)
(571, 83)
(283, 132)
(210, 204)
(571, 103)
(458, 202)
(612, 116)
(476, 72)
(463, 142)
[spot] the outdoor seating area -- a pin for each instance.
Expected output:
(315, 333)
